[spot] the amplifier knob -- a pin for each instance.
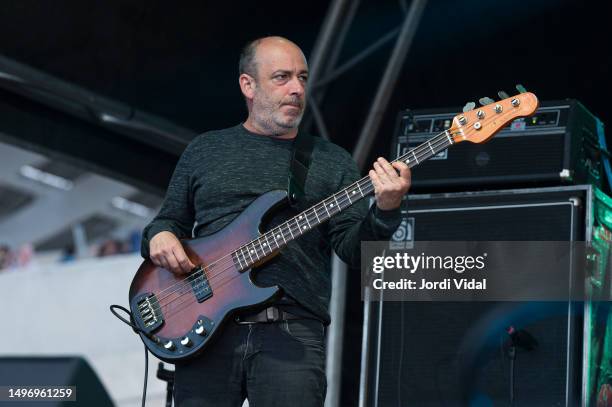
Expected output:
(169, 345)
(498, 108)
(515, 102)
(186, 341)
(480, 114)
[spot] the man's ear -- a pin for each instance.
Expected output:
(247, 85)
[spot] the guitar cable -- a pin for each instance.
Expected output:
(136, 329)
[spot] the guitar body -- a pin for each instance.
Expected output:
(172, 309)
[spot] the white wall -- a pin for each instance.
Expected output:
(62, 309)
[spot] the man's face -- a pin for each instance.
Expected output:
(279, 96)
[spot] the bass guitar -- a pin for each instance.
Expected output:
(177, 316)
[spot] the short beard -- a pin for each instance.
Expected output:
(264, 114)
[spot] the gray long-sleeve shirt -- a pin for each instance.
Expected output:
(222, 172)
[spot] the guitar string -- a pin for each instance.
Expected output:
(314, 208)
(436, 142)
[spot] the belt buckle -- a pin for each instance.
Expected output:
(272, 314)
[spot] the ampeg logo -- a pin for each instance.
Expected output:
(403, 238)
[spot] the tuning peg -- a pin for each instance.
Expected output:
(521, 88)
(485, 101)
(469, 106)
(502, 95)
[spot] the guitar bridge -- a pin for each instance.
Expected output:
(148, 312)
(200, 285)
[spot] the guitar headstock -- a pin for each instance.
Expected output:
(479, 125)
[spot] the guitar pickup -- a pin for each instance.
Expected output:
(200, 285)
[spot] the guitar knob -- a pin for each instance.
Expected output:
(201, 331)
(169, 345)
(186, 341)
(498, 109)
(462, 120)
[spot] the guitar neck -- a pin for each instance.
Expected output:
(271, 241)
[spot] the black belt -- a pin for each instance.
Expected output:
(270, 314)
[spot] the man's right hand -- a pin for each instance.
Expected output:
(166, 251)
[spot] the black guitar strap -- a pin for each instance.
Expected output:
(298, 167)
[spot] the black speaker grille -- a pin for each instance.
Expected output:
(443, 354)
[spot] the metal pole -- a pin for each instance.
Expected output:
(335, 337)
(360, 154)
(323, 44)
(320, 54)
(364, 377)
(324, 56)
(385, 89)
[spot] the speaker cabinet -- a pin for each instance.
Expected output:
(55, 371)
(456, 353)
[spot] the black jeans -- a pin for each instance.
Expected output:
(272, 364)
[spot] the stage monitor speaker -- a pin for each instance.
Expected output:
(456, 353)
(55, 371)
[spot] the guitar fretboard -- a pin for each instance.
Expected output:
(273, 240)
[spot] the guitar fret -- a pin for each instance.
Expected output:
(316, 215)
(325, 212)
(360, 191)
(306, 219)
(348, 196)
(258, 249)
(274, 236)
(300, 227)
(338, 205)
(237, 260)
(244, 257)
(415, 157)
(282, 234)
(290, 232)
(431, 148)
(325, 206)
(237, 252)
(249, 252)
(265, 244)
(253, 251)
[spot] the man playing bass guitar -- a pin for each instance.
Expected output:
(274, 356)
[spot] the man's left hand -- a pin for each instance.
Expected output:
(389, 186)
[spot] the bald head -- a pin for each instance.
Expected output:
(273, 77)
(251, 55)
